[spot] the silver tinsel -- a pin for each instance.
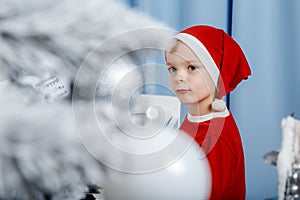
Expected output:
(55, 37)
(40, 153)
(42, 45)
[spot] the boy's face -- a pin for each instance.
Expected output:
(188, 77)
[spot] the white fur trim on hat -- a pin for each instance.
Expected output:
(202, 53)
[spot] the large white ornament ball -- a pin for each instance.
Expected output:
(188, 177)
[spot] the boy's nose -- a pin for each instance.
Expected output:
(180, 75)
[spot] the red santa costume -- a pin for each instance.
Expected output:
(217, 132)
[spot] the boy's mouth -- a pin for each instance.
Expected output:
(182, 91)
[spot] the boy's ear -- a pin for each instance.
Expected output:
(216, 92)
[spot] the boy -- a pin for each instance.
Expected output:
(204, 65)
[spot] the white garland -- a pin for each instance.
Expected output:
(289, 152)
(42, 44)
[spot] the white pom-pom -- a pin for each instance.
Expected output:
(218, 105)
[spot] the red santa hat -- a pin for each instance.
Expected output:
(220, 54)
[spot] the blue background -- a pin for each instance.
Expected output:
(269, 33)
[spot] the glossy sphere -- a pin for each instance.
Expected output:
(187, 178)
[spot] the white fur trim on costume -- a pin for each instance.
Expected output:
(207, 117)
(202, 53)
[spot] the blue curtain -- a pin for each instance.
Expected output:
(269, 33)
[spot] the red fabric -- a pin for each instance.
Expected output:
(221, 142)
(227, 55)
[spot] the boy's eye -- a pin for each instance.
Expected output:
(192, 67)
(171, 69)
